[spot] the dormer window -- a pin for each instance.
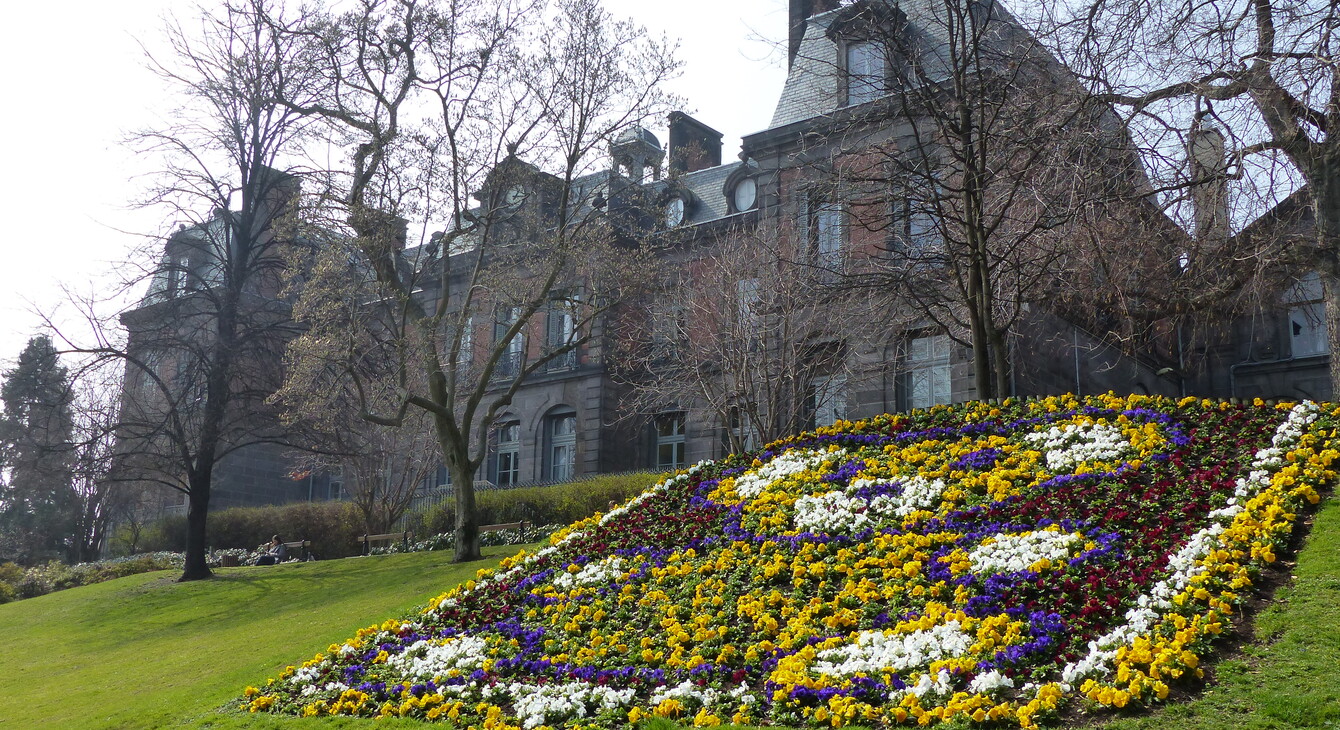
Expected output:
(674, 212)
(867, 36)
(741, 188)
(745, 195)
(867, 71)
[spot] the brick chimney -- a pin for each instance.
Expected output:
(801, 10)
(693, 145)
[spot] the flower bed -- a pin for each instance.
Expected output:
(982, 563)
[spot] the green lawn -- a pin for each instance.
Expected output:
(1288, 676)
(145, 652)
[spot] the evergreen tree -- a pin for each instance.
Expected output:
(37, 498)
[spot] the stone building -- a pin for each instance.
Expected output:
(580, 415)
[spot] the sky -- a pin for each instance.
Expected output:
(76, 87)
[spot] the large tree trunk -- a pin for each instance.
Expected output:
(463, 487)
(1326, 207)
(981, 348)
(196, 513)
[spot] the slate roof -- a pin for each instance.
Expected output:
(812, 85)
(706, 188)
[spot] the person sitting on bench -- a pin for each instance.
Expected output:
(278, 553)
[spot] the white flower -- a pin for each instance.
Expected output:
(754, 483)
(1010, 553)
(1068, 446)
(877, 651)
(935, 686)
(426, 659)
(841, 511)
(687, 692)
(596, 573)
(988, 682)
(539, 705)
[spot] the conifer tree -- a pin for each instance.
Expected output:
(36, 499)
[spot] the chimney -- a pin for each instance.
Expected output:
(1209, 189)
(801, 10)
(693, 145)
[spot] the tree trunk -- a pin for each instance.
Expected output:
(196, 513)
(1000, 362)
(467, 521)
(463, 486)
(981, 350)
(1326, 209)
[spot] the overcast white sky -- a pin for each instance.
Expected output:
(75, 85)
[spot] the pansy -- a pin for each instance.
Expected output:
(978, 564)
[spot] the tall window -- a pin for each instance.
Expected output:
(830, 399)
(866, 72)
(560, 445)
(467, 341)
(914, 232)
(559, 332)
(1307, 317)
(335, 482)
(738, 425)
(438, 479)
(670, 441)
(510, 362)
(507, 464)
(748, 296)
(669, 328)
(1307, 329)
(829, 222)
(927, 372)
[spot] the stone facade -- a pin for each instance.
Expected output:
(578, 415)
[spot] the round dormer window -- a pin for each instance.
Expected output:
(674, 212)
(746, 194)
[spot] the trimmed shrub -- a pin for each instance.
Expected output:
(554, 504)
(333, 528)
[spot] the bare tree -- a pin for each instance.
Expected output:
(738, 333)
(442, 102)
(1258, 77)
(968, 167)
(96, 407)
(200, 354)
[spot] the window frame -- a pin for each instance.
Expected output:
(556, 470)
(510, 362)
(934, 366)
(511, 447)
(873, 86)
(676, 440)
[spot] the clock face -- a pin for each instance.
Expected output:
(513, 196)
(674, 212)
(746, 192)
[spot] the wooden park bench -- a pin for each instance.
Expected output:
(387, 537)
(300, 545)
(506, 526)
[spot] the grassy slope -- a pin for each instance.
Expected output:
(145, 652)
(1289, 675)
